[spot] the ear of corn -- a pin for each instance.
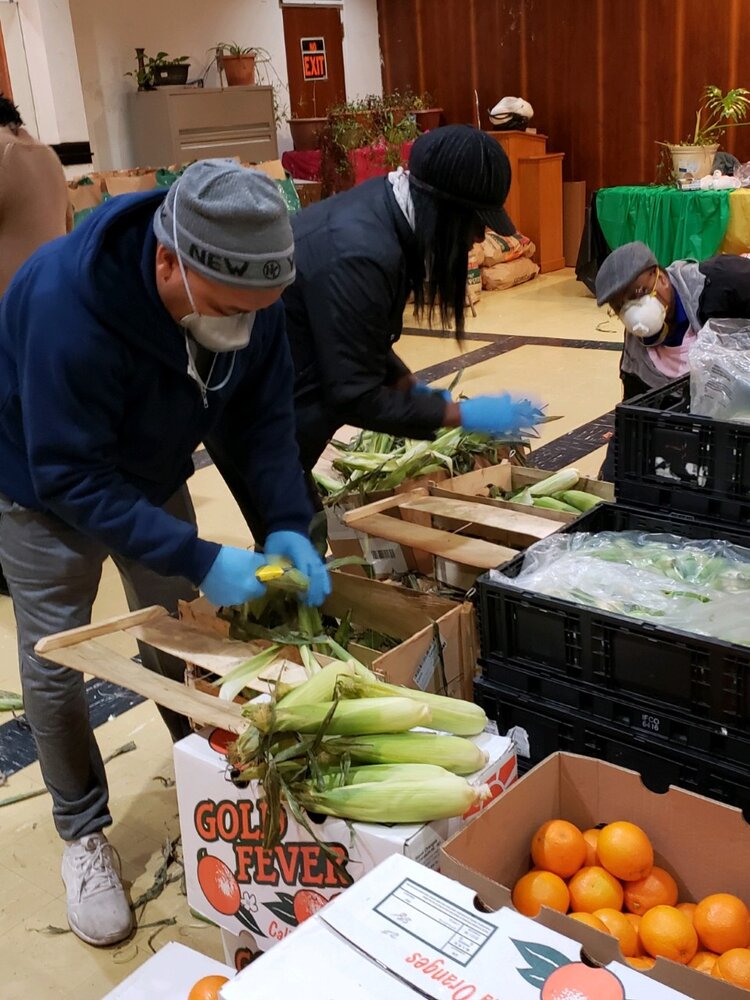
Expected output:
(449, 715)
(321, 687)
(550, 503)
(565, 479)
(347, 718)
(395, 801)
(580, 500)
(237, 679)
(10, 702)
(371, 773)
(454, 753)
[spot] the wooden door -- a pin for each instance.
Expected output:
(315, 62)
(5, 88)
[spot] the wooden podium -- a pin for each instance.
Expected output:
(535, 200)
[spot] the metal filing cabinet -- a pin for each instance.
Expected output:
(181, 124)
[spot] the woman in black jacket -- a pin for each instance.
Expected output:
(359, 256)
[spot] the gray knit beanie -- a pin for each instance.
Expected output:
(232, 225)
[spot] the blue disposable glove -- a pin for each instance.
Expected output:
(302, 554)
(231, 580)
(420, 389)
(499, 415)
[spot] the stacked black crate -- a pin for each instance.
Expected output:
(673, 705)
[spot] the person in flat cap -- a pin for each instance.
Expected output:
(662, 309)
(155, 325)
(360, 256)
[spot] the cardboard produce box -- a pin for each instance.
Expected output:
(404, 932)
(260, 895)
(703, 844)
(416, 619)
(508, 478)
(169, 975)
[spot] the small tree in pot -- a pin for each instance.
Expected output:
(693, 158)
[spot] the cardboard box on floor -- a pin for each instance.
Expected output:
(234, 882)
(412, 617)
(404, 932)
(704, 844)
(169, 975)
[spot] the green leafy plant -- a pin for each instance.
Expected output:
(717, 112)
(233, 49)
(144, 75)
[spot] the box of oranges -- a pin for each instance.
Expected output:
(586, 849)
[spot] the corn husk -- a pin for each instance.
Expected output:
(454, 753)
(395, 801)
(343, 718)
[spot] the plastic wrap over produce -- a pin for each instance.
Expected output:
(695, 586)
(720, 371)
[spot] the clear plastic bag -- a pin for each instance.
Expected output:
(720, 371)
(695, 586)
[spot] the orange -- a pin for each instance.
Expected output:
(658, 888)
(558, 847)
(207, 988)
(635, 920)
(704, 961)
(620, 927)
(734, 967)
(590, 920)
(722, 922)
(537, 889)
(591, 837)
(642, 962)
(667, 933)
(593, 889)
(625, 851)
(687, 908)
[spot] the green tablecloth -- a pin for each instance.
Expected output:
(677, 225)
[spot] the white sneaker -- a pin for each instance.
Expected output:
(98, 909)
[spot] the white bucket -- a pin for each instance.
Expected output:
(692, 162)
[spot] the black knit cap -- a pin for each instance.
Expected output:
(464, 166)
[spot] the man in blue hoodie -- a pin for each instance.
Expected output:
(154, 326)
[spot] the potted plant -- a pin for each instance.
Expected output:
(693, 158)
(238, 63)
(425, 111)
(161, 70)
(306, 132)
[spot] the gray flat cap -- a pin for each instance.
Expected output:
(621, 268)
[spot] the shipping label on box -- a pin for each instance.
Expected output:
(422, 933)
(232, 880)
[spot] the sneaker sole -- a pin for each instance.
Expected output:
(100, 942)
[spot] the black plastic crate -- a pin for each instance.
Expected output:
(551, 728)
(669, 459)
(708, 678)
(659, 721)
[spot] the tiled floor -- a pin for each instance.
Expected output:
(579, 385)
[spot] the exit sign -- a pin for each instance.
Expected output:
(314, 62)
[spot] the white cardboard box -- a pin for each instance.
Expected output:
(238, 885)
(404, 931)
(169, 975)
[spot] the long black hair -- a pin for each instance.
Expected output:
(9, 113)
(445, 232)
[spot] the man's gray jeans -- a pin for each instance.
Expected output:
(53, 573)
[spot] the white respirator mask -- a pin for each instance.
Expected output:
(645, 316)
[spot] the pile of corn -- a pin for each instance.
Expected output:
(556, 492)
(375, 462)
(345, 744)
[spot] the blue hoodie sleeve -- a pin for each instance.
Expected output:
(72, 399)
(256, 435)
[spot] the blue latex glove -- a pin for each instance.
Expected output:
(499, 415)
(301, 553)
(231, 580)
(420, 389)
